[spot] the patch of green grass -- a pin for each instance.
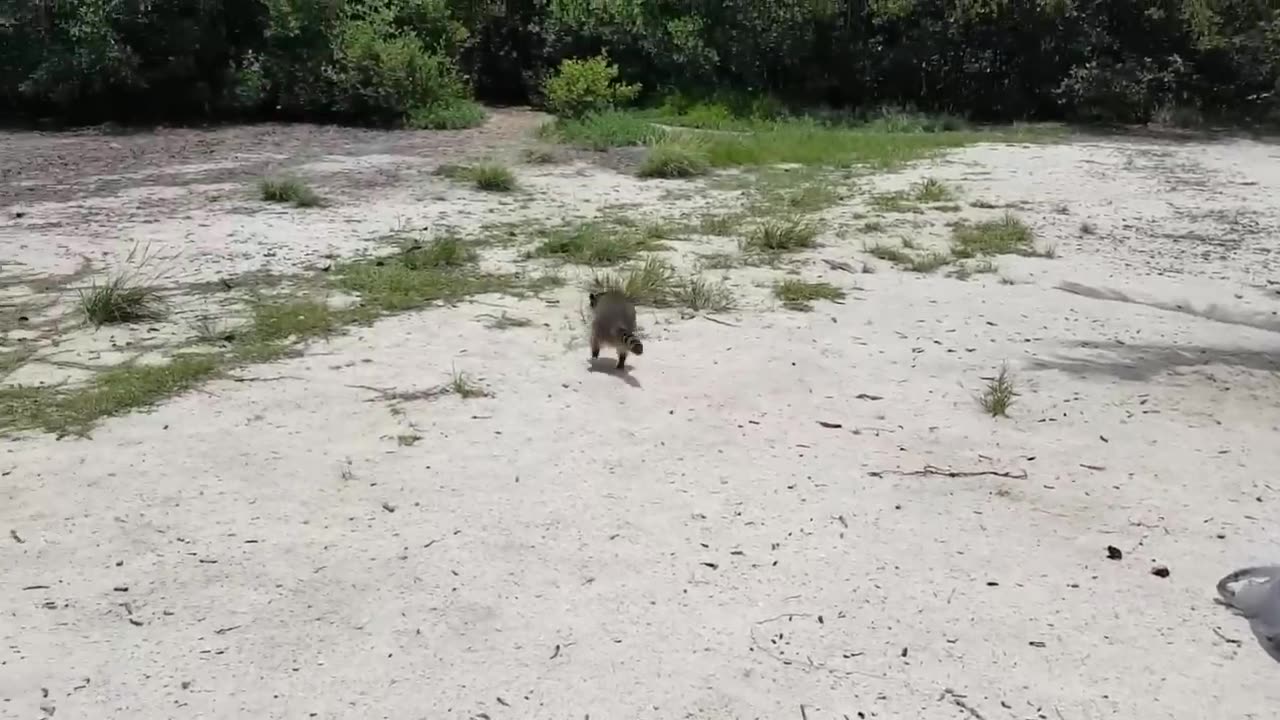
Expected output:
(448, 251)
(289, 190)
(292, 319)
(932, 190)
(604, 130)
(123, 298)
(462, 385)
(676, 156)
(407, 439)
(915, 262)
(800, 295)
(73, 410)
(1007, 236)
(999, 394)
(700, 295)
(786, 234)
(595, 243)
(810, 143)
(648, 284)
(453, 114)
(873, 226)
(390, 286)
(492, 177)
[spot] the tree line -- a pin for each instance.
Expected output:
(422, 62)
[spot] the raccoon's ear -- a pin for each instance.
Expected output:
(593, 297)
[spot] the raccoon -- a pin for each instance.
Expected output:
(613, 323)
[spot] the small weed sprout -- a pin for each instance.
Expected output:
(999, 394)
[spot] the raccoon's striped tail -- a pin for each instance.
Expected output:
(631, 342)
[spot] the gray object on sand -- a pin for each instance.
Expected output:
(1258, 599)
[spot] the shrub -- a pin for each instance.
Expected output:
(586, 86)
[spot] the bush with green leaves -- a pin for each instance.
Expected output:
(590, 85)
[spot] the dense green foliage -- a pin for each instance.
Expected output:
(418, 60)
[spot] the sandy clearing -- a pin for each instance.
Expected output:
(694, 544)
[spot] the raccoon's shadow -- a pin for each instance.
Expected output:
(608, 366)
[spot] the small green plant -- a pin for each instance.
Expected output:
(648, 284)
(699, 295)
(786, 234)
(873, 226)
(129, 295)
(588, 85)
(677, 156)
(462, 385)
(407, 439)
(999, 394)
(288, 190)
(450, 114)
(800, 295)
(443, 252)
(1007, 236)
(932, 190)
(1088, 228)
(492, 177)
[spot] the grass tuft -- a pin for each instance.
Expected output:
(999, 394)
(127, 296)
(289, 190)
(786, 234)
(462, 385)
(492, 177)
(676, 156)
(648, 284)
(1007, 236)
(118, 301)
(800, 294)
(699, 294)
(443, 252)
(932, 190)
(594, 243)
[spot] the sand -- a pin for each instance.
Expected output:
(755, 522)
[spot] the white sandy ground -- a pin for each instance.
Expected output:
(688, 541)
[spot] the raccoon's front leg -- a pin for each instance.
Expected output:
(622, 359)
(595, 348)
